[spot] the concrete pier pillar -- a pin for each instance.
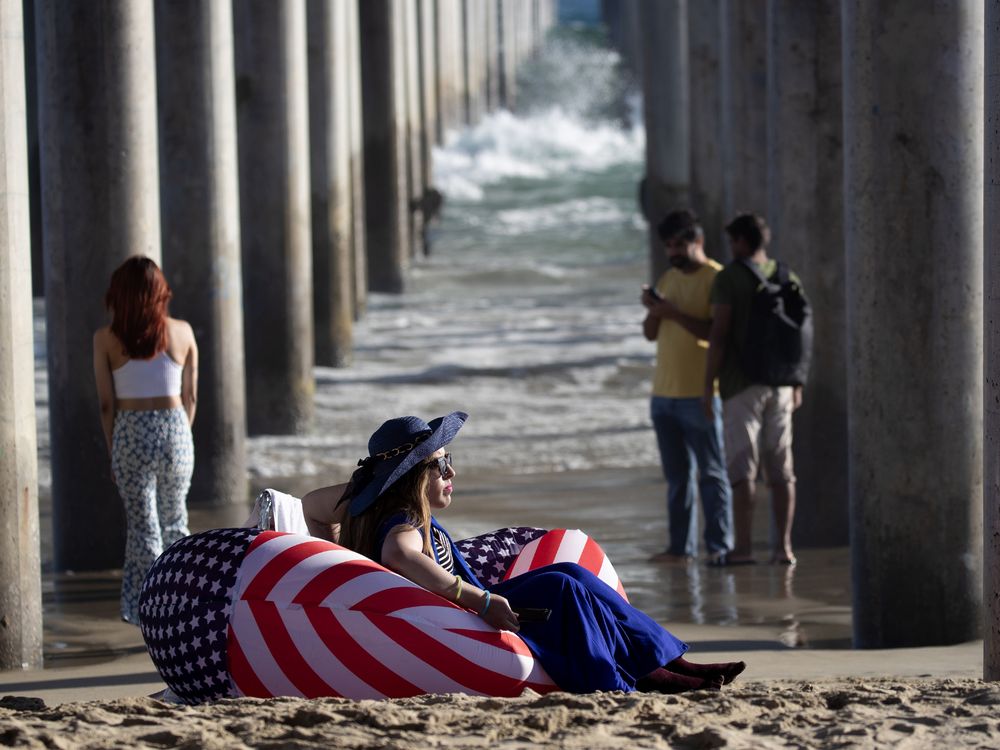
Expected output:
(991, 386)
(409, 41)
(507, 54)
(448, 62)
(100, 204)
(359, 245)
(330, 153)
(34, 156)
(20, 569)
(471, 61)
(665, 103)
(384, 103)
(491, 49)
(705, 122)
(525, 32)
(913, 186)
(743, 93)
(273, 122)
(622, 20)
(199, 205)
(427, 41)
(805, 193)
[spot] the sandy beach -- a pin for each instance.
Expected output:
(828, 713)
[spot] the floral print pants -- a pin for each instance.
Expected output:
(152, 457)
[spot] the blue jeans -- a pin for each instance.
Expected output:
(693, 459)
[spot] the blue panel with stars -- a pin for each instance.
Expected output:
(184, 612)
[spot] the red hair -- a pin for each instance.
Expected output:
(138, 297)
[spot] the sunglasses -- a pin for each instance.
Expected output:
(443, 463)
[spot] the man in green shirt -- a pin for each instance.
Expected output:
(757, 418)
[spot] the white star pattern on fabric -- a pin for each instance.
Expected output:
(489, 554)
(187, 589)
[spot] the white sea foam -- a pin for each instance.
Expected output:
(539, 146)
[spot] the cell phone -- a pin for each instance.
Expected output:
(532, 614)
(654, 294)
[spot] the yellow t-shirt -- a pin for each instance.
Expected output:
(680, 357)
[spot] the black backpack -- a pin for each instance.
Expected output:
(778, 345)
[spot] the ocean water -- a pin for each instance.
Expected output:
(526, 314)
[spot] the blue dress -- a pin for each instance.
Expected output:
(594, 639)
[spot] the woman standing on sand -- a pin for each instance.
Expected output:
(146, 369)
(592, 640)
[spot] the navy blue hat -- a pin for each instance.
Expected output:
(395, 448)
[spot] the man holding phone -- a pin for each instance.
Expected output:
(678, 319)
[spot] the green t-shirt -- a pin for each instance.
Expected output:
(735, 286)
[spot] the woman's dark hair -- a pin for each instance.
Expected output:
(751, 228)
(138, 297)
(408, 495)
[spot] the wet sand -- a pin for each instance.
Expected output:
(804, 686)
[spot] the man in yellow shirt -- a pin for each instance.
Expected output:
(678, 318)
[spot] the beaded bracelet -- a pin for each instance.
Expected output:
(486, 604)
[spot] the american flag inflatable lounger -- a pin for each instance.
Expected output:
(247, 612)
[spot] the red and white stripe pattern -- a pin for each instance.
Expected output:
(313, 619)
(567, 545)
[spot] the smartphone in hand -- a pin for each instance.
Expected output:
(532, 614)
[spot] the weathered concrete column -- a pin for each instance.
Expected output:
(409, 41)
(550, 15)
(525, 32)
(491, 55)
(468, 65)
(34, 156)
(530, 26)
(742, 93)
(706, 123)
(20, 569)
(471, 57)
(805, 193)
(622, 20)
(665, 100)
(507, 55)
(330, 152)
(448, 59)
(384, 102)
(913, 189)
(359, 252)
(991, 392)
(427, 40)
(273, 122)
(100, 204)
(632, 37)
(200, 215)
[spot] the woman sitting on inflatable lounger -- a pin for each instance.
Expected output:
(592, 639)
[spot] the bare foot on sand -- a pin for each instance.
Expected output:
(727, 671)
(664, 681)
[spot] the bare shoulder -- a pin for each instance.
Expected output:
(103, 338)
(321, 504)
(180, 329)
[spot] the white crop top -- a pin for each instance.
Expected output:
(148, 378)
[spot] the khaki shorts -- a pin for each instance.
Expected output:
(759, 414)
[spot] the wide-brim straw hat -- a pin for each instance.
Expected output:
(395, 448)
